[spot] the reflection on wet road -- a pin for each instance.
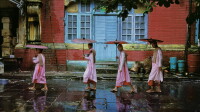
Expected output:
(67, 95)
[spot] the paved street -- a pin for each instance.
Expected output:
(56, 42)
(68, 95)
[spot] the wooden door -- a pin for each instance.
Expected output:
(105, 29)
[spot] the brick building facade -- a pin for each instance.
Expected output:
(167, 24)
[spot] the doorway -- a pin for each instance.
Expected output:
(105, 29)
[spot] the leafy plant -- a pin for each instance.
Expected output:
(128, 5)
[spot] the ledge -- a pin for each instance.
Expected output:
(147, 47)
(129, 47)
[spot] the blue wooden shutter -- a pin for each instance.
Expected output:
(100, 28)
(106, 28)
(111, 28)
(197, 32)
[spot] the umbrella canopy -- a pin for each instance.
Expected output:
(37, 46)
(150, 40)
(83, 41)
(116, 42)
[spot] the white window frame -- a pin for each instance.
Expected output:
(67, 28)
(79, 14)
(133, 33)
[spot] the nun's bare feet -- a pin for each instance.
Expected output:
(32, 88)
(132, 91)
(93, 89)
(87, 88)
(44, 89)
(150, 91)
(114, 90)
(157, 89)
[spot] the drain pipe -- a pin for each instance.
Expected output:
(188, 38)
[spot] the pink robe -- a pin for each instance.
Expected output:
(156, 74)
(90, 72)
(39, 72)
(123, 77)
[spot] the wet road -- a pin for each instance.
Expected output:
(68, 95)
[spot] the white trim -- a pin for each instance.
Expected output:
(66, 26)
(133, 31)
(197, 31)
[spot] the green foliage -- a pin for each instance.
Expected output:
(192, 17)
(128, 5)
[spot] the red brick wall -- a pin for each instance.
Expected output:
(169, 24)
(74, 54)
(132, 55)
(27, 55)
(61, 56)
(52, 21)
(138, 55)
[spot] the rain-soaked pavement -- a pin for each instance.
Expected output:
(68, 95)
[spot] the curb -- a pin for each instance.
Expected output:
(78, 75)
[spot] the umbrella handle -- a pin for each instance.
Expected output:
(83, 50)
(116, 52)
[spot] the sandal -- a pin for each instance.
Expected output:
(150, 91)
(132, 91)
(87, 88)
(113, 90)
(93, 89)
(44, 89)
(158, 90)
(32, 88)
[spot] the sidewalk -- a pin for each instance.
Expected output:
(78, 75)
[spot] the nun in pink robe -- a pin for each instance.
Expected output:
(156, 74)
(90, 76)
(123, 77)
(39, 72)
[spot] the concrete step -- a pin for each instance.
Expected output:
(106, 63)
(106, 68)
